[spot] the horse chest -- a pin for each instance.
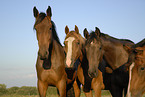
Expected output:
(53, 74)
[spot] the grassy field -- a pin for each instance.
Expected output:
(104, 94)
(52, 93)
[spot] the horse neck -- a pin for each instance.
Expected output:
(114, 53)
(106, 43)
(57, 48)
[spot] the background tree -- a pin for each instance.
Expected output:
(13, 90)
(3, 89)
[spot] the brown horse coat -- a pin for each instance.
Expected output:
(50, 61)
(114, 57)
(77, 53)
(137, 72)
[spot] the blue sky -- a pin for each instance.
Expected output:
(18, 43)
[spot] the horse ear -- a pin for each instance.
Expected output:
(66, 29)
(86, 33)
(97, 31)
(49, 13)
(76, 29)
(35, 12)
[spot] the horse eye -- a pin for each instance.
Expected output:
(50, 28)
(142, 68)
(100, 48)
(78, 43)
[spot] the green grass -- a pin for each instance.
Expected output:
(104, 94)
(53, 93)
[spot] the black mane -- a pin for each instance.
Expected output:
(140, 44)
(54, 33)
(106, 36)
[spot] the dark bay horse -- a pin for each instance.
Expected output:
(136, 62)
(74, 44)
(91, 49)
(114, 58)
(50, 61)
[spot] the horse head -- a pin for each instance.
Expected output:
(93, 50)
(43, 27)
(73, 45)
(137, 70)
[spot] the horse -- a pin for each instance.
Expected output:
(115, 77)
(50, 65)
(92, 49)
(136, 62)
(74, 47)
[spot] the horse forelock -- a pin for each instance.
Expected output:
(75, 35)
(40, 18)
(92, 36)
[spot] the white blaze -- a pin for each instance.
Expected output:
(130, 75)
(69, 52)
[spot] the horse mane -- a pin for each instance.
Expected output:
(140, 44)
(54, 33)
(106, 36)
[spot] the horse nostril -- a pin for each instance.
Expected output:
(46, 53)
(43, 55)
(91, 74)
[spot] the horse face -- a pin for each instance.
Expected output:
(43, 29)
(73, 51)
(44, 38)
(73, 46)
(93, 50)
(137, 86)
(94, 54)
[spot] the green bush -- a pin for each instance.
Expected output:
(27, 91)
(13, 90)
(3, 89)
(24, 90)
(51, 91)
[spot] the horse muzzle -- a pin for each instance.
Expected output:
(69, 63)
(93, 73)
(43, 55)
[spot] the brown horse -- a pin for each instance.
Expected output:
(114, 57)
(50, 61)
(92, 50)
(137, 69)
(74, 47)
